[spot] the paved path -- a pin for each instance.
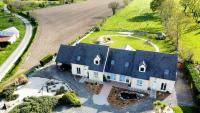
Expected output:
(9, 63)
(105, 91)
(61, 24)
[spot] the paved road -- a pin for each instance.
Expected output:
(61, 24)
(7, 65)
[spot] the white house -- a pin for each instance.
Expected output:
(8, 36)
(140, 70)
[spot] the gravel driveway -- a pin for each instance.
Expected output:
(61, 24)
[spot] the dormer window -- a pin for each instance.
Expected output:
(78, 58)
(112, 62)
(127, 64)
(142, 67)
(97, 60)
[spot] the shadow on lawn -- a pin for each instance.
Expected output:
(145, 17)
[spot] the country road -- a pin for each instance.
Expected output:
(61, 24)
(9, 63)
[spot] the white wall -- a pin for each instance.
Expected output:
(97, 77)
(12, 39)
(83, 68)
(143, 86)
(118, 77)
(155, 84)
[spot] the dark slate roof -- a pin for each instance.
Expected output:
(83, 54)
(120, 62)
(157, 64)
(65, 54)
(87, 53)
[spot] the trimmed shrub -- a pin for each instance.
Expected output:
(46, 59)
(70, 98)
(177, 109)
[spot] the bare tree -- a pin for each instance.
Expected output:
(113, 5)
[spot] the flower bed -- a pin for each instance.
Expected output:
(94, 88)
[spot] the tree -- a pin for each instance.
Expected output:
(166, 11)
(156, 4)
(185, 4)
(113, 5)
(62, 1)
(7, 1)
(177, 26)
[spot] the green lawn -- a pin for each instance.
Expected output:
(4, 23)
(137, 16)
(119, 41)
(191, 42)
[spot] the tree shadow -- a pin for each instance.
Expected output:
(145, 17)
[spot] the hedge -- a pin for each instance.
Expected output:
(70, 98)
(177, 109)
(46, 59)
(194, 79)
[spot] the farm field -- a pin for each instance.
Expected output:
(62, 24)
(4, 19)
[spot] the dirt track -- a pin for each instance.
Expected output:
(61, 24)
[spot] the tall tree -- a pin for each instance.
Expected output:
(185, 4)
(166, 12)
(156, 4)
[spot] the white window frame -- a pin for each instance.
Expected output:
(139, 82)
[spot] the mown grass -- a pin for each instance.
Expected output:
(4, 23)
(119, 41)
(191, 42)
(137, 16)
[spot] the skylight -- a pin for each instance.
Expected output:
(112, 62)
(126, 64)
(78, 58)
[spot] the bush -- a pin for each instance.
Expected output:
(198, 99)
(46, 59)
(96, 29)
(7, 93)
(44, 104)
(70, 98)
(177, 109)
